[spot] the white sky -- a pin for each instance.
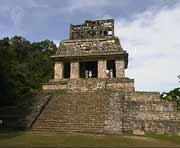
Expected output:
(153, 42)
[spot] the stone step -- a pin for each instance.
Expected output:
(74, 112)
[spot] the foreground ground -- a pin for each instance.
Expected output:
(18, 139)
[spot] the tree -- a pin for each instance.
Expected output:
(173, 95)
(23, 67)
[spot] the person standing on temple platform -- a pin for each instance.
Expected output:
(90, 74)
(111, 73)
(86, 74)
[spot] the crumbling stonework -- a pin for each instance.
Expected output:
(92, 29)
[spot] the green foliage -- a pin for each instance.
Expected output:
(173, 95)
(23, 66)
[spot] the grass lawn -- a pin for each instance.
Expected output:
(21, 138)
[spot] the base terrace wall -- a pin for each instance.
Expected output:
(144, 112)
(110, 107)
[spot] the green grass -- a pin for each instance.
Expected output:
(174, 139)
(20, 138)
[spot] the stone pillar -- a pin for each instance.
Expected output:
(74, 72)
(102, 68)
(58, 71)
(120, 68)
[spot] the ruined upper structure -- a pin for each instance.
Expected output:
(92, 29)
(91, 50)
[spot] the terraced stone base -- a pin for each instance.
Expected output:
(96, 106)
(109, 112)
(98, 112)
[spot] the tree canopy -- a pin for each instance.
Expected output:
(24, 66)
(173, 95)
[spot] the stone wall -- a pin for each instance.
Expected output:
(125, 84)
(92, 84)
(85, 85)
(144, 112)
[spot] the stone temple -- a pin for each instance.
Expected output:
(93, 55)
(99, 98)
(92, 93)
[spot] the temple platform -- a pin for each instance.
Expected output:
(91, 84)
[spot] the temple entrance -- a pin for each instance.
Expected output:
(66, 70)
(111, 67)
(88, 69)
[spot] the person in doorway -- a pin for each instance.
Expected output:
(111, 73)
(86, 73)
(90, 74)
(107, 73)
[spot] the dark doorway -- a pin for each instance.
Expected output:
(111, 66)
(67, 70)
(86, 67)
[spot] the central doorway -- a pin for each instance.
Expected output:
(66, 73)
(88, 67)
(111, 67)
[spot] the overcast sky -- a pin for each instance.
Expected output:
(148, 29)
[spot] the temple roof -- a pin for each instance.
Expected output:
(89, 46)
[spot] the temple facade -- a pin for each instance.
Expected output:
(91, 52)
